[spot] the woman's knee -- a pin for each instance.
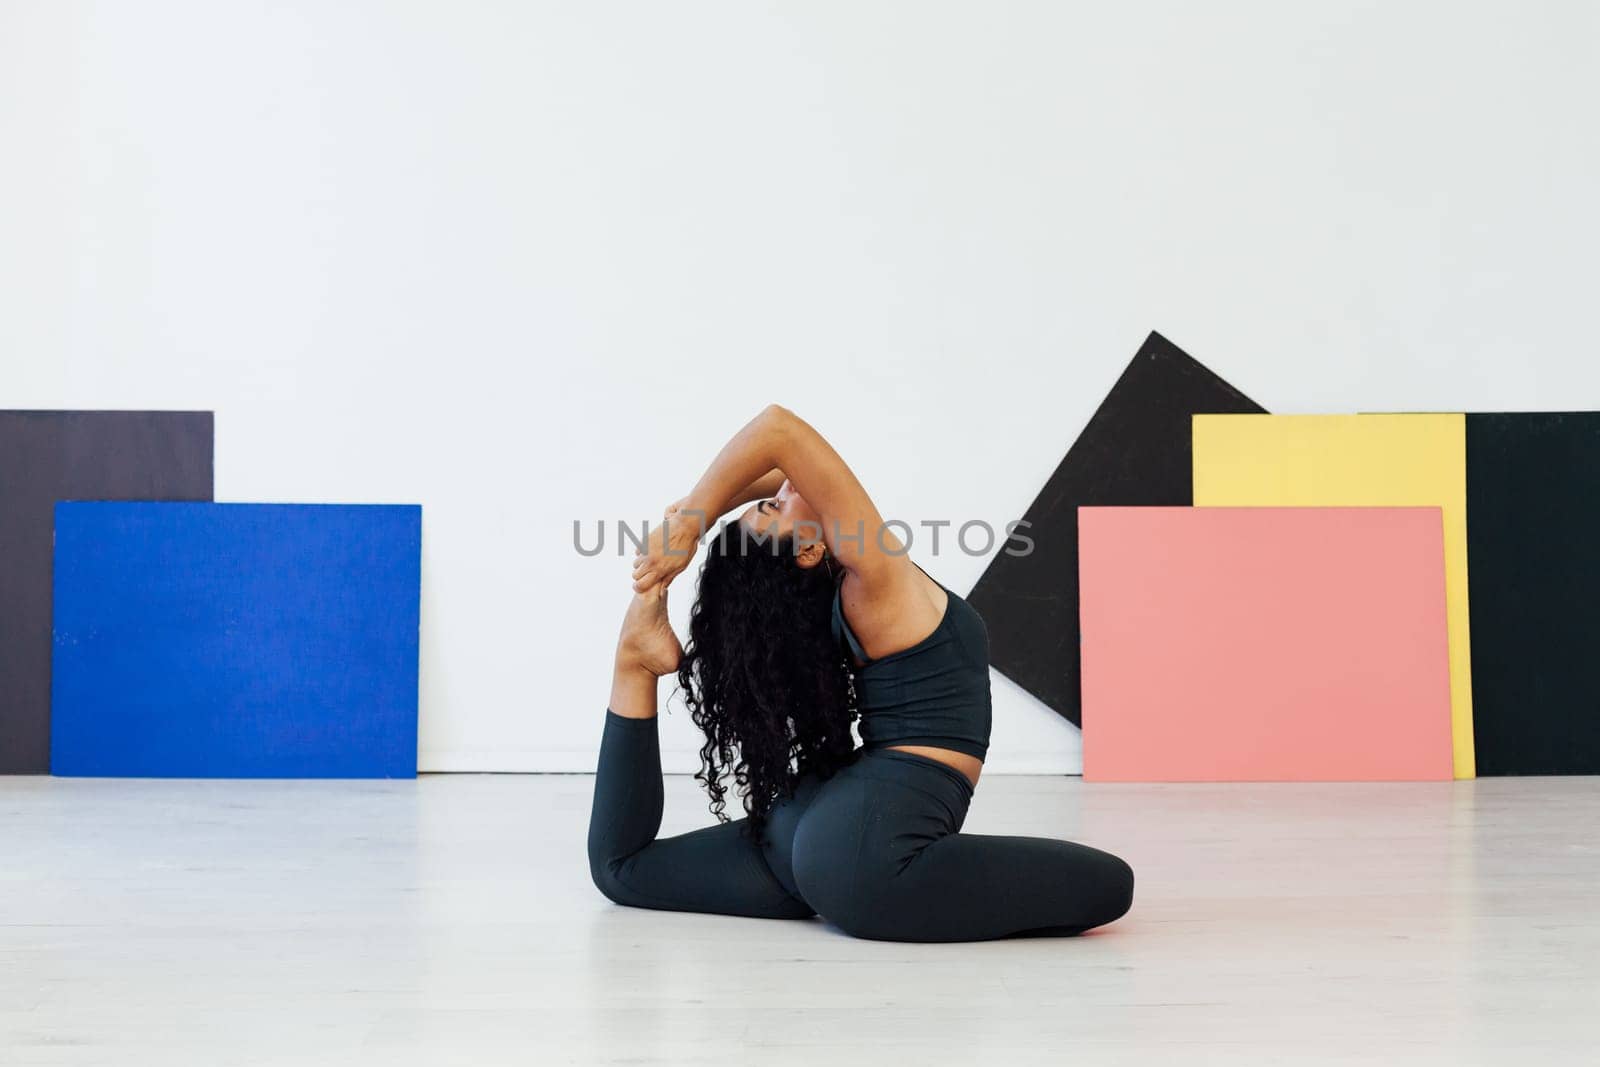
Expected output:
(609, 866)
(1109, 887)
(604, 873)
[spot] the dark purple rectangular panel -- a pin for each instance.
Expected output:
(49, 456)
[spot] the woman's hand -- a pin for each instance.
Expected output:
(669, 549)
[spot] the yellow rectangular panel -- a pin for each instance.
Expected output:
(1354, 461)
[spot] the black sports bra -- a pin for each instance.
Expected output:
(934, 693)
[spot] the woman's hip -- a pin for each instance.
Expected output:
(882, 808)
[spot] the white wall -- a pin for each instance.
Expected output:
(526, 263)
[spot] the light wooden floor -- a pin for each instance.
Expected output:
(451, 921)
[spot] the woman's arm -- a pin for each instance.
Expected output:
(691, 522)
(777, 438)
(763, 488)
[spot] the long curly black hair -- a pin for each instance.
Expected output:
(762, 675)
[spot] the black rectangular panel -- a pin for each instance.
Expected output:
(1533, 568)
(46, 456)
(1136, 449)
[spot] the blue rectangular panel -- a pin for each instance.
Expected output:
(236, 640)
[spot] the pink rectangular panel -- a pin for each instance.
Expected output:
(1264, 644)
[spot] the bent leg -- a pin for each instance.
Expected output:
(975, 887)
(715, 869)
(880, 855)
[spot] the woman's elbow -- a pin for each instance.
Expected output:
(779, 421)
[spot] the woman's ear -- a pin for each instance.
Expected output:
(810, 553)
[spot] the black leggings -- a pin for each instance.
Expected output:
(875, 849)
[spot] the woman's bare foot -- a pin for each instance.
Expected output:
(647, 641)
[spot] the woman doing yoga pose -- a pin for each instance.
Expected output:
(809, 615)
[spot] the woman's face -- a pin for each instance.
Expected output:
(782, 515)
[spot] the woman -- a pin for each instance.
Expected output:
(809, 614)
